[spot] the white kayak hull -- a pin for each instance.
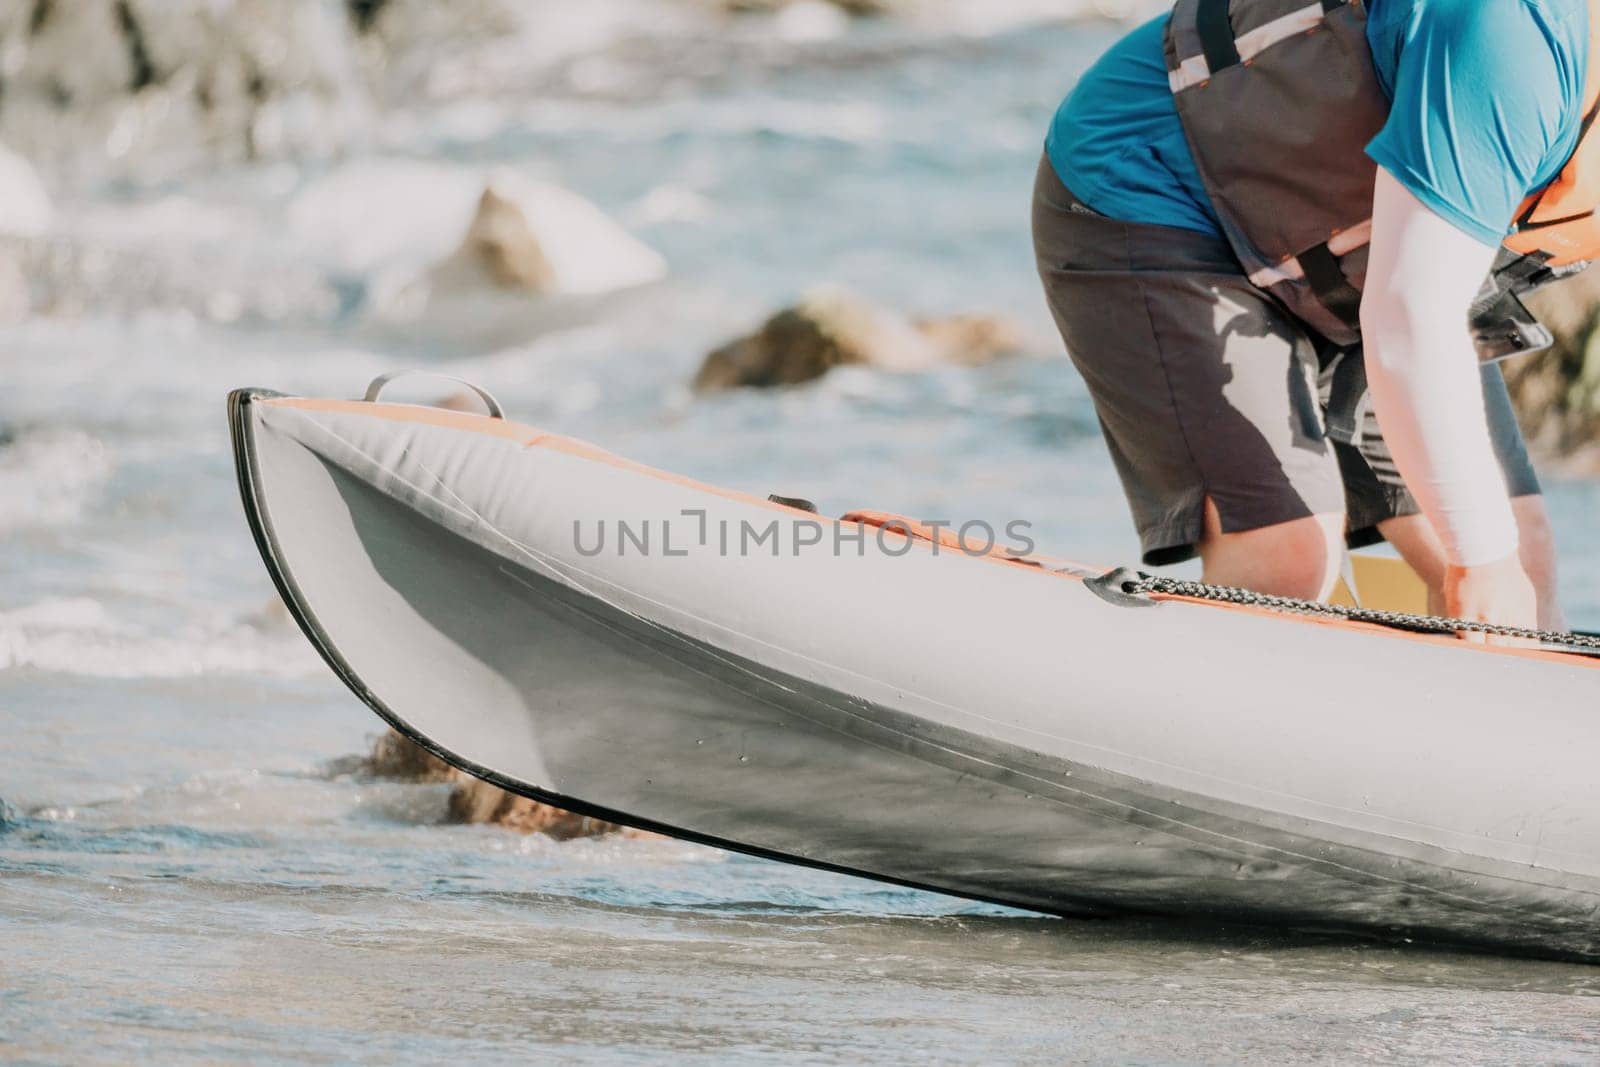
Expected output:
(976, 727)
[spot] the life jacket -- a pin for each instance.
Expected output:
(1279, 100)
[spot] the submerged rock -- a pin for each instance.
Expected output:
(833, 328)
(1557, 393)
(398, 757)
(474, 801)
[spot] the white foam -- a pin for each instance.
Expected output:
(49, 477)
(545, 33)
(670, 204)
(25, 208)
(811, 20)
(164, 221)
(81, 636)
(384, 213)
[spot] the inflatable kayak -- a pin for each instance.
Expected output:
(856, 694)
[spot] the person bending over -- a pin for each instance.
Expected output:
(1264, 229)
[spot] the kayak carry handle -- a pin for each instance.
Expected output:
(375, 390)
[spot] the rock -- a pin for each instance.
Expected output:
(141, 79)
(534, 257)
(540, 239)
(833, 328)
(419, 49)
(434, 253)
(474, 801)
(364, 13)
(405, 26)
(972, 340)
(430, 234)
(509, 50)
(379, 215)
(1557, 393)
(500, 250)
(71, 54)
(398, 757)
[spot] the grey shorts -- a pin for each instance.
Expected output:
(1206, 387)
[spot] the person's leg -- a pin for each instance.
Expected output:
(1206, 393)
(1380, 504)
(1300, 558)
(1414, 538)
(1539, 558)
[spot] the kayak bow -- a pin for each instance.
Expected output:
(868, 703)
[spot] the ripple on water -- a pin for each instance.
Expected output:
(49, 835)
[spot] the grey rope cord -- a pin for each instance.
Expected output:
(1136, 584)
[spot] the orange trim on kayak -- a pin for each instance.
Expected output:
(916, 532)
(941, 535)
(1444, 640)
(529, 437)
(526, 436)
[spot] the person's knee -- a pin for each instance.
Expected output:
(1306, 565)
(1297, 559)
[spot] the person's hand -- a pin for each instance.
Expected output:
(1498, 593)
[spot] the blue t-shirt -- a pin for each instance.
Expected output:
(1487, 107)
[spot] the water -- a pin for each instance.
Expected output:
(188, 874)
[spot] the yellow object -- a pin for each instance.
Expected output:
(1385, 584)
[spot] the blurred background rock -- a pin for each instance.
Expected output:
(1558, 392)
(98, 88)
(97, 82)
